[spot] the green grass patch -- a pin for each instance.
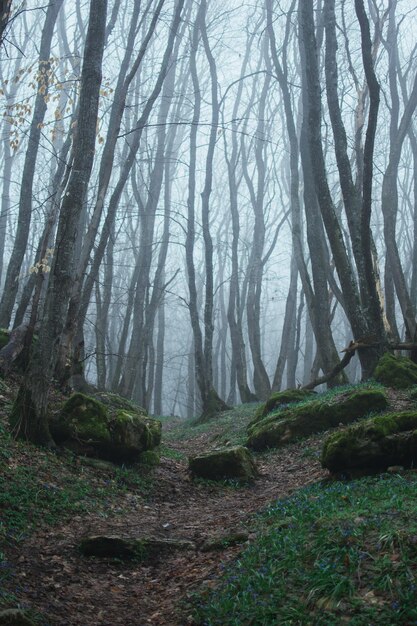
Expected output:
(172, 453)
(328, 555)
(333, 394)
(227, 428)
(38, 488)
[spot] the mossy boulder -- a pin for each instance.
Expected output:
(316, 416)
(115, 403)
(224, 463)
(281, 398)
(106, 431)
(132, 434)
(143, 549)
(82, 419)
(151, 458)
(374, 444)
(398, 372)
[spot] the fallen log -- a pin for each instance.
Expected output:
(334, 372)
(360, 344)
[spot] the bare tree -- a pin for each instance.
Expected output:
(29, 416)
(26, 191)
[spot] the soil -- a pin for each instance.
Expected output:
(69, 589)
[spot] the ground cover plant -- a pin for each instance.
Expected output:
(344, 552)
(227, 428)
(40, 489)
(329, 554)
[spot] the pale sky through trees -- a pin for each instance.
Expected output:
(203, 256)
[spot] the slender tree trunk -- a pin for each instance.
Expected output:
(255, 266)
(5, 14)
(159, 367)
(26, 190)
(35, 280)
(373, 305)
(29, 416)
(334, 233)
(211, 403)
(288, 327)
(234, 309)
(317, 299)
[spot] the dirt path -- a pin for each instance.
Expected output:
(73, 590)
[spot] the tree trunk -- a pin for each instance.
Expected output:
(373, 305)
(29, 417)
(211, 402)
(26, 190)
(5, 15)
(334, 233)
(317, 299)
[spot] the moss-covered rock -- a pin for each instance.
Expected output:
(150, 458)
(132, 434)
(300, 421)
(223, 541)
(375, 443)
(398, 372)
(106, 431)
(224, 463)
(115, 403)
(142, 549)
(82, 419)
(280, 399)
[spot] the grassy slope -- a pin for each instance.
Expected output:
(330, 554)
(37, 488)
(335, 553)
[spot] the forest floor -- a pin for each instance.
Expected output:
(43, 570)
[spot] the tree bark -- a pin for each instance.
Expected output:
(26, 190)
(334, 233)
(29, 417)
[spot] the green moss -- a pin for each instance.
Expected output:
(132, 434)
(115, 403)
(123, 417)
(150, 457)
(398, 372)
(375, 442)
(224, 463)
(152, 427)
(280, 399)
(86, 418)
(154, 432)
(313, 417)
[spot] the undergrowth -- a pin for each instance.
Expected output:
(331, 395)
(328, 555)
(226, 428)
(39, 489)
